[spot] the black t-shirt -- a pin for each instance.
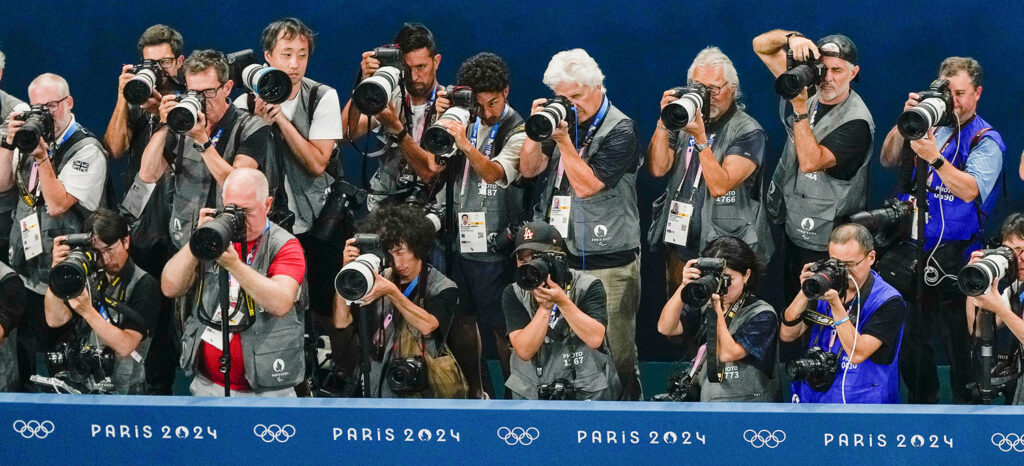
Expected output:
(142, 125)
(12, 303)
(442, 307)
(144, 301)
(884, 324)
(259, 145)
(849, 143)
(592, 303)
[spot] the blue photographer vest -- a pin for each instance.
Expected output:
(866, 382)
(962, 219)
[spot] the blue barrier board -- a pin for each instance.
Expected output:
(183, 430)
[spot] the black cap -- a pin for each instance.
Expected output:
(540, 237)
(839, 46)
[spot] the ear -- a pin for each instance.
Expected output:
(71, 103)
(871, 258)
(269, 202)
(437, 61)
(229, 85)
(505, 92)
(977, 92)
(266, 56)
(854, 72)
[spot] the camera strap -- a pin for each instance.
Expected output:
(473, 134)
(710, 327)
(427, 116)
(30, 189)
(591, 133)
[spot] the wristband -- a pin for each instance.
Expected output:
(799, 117)
(202, 147)
(397, 138)
(839, 322)
(5, 145)
(937, 163)
(662, 126)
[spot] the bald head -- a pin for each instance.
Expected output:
(247, 180)
(50, 80)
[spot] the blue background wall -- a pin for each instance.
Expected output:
(643, 48)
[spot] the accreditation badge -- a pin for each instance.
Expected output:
(472, 232)
(559, 214)
(677, 228)
(31, 236)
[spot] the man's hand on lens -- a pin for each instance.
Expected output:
(205, 215)
(832, 297)
(668, 97)
(912, 100)
(167, 102)
(82, 304)
(198, 132)
(799, 102)
(124, 78)
(389, 118)
(925, 147)
(268, 112)
(40, 152)
(442, 103)
(350, 253)
(458, 131)
(716, 304)
(992, 300)
(803, 48)
(561, 133)
(537, 105)
(381, 287)
(13, 125)
(60, 250)
(550, 292)
(369, 65)
(696, 129)
(152, 104)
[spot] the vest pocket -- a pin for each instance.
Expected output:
(189, 344)
(809, 220)
(520, 387)
(599, 224)
(277, 361)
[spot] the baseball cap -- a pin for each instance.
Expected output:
(838, 45)
(540, 237)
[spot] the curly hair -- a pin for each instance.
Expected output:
(401, 224)
(483, 72)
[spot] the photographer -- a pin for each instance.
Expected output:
(557, 329)
(966, 160)
(118, 308)
(866, 320)
(11, 306)
(223, 138)
(412, 303)
(822, 173)
(401, 124)
(8, 198)
(590, 196)
(267, 357)
(728, 150)
(484, 185)
(59, 183)
(746, 328)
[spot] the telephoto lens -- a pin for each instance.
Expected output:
(693, 99)
(138, 89)
(798, 75)
(829, 274)
(542, 124)
(356, 278)
(185, 115)
(935, 108)
(999, 264)
(371, 95)
(38, 124)
(211, 239)
(69, 278)
(544, 264)
(713, 279)
(270, 84)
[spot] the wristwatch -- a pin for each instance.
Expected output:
(5, 145)
(202, 147)
(397, 138)
(700, 147)
(937, 163)
(799, 117)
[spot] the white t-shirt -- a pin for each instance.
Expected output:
(83, 176)
(326, 122)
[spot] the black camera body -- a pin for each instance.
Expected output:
(149, 76)
(692, 99)
(713, 279)
(504, 241)
(389, 55)
(211, 239)
(681, 386)
(542, 124)
(818, 367)
(70, 277)
(829, 274)
(934, 108)
(38, 124)
(185, 114)
(995, 264)
(371, 95)
(888, 223)
(798, 75)
(407, 375)
(336, 218)
(560, 389)
(269, 83)
(84, 367)
(436, 138)
(535, 272)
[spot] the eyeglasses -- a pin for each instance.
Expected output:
(211, 92)
(52, 106)
(109, 250)
(715, 90)
(852, 264)
(165, 62)
(1017, 250)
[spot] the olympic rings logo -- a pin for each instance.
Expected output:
(274, 432)
(518, 435)
(764, 438)
(1008, 442)
(33, 428)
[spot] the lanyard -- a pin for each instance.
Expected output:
(427, 114)
(700, 167)
(586, 141)
(411, 286)
(33, 177)
(256, 244)
(487, 148)
(216, 137)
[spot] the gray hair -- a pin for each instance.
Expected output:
(201, 60)
(3, 61)
(953, 65)
(853, 232)
(573, 66)
(52, 79)
(713, 56)
(250, 176)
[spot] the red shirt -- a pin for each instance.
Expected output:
(289, 261)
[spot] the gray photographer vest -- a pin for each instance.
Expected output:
(192, 184)
(129, 376)
(272, 348)
(809, 203)
(37, 269)
(8, 355)
(506, 205)
(306, 193)
(740, 381)
(393, 168)
(596, 378)
(610, 220)
(9, 198)
(737, 213)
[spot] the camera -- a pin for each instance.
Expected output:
(542, 124)
(935, 108)
(535, 272)
(798, 75)
(681, 386)
(560, 389)
(69, 278)
(211, 239)
(693, 99)
(713, 279)
(818, 367)
(38, 124)
(436, 138)
(185, 114)
(995, 264)
(271, 84)
(892, 214)
(149, 76)
(85, 368)
(407, 375)
(372, 94)
(829, 274)
(356, 278)
(336, 214)
(504, 241)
